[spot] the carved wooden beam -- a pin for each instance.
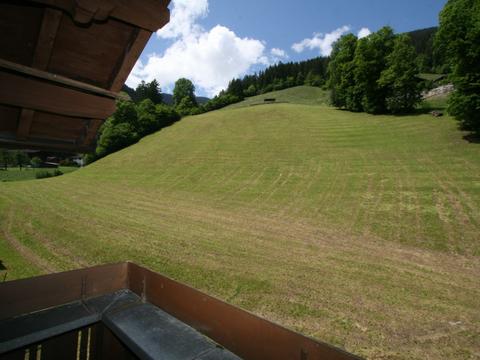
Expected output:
(31, 72)
(24, 123)
(36, 94)
(147, 14)
(46, 38)
(132, 53)
(91, 131)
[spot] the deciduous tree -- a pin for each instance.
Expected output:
(399, 78)
(458, 40)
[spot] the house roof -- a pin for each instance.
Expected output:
(63, 63)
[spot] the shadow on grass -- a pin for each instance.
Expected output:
(472, 138)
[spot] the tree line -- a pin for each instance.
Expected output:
(376, 74)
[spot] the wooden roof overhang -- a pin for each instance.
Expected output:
(62, 64)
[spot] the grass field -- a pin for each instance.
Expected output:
(15, 174)
(304, 95)
(362, 231)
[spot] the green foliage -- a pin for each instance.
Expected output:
(43, 174)
(131, 122)
(5, 157)
(165, 115)
(36, 162)
(369, 62)
(146, 118)
(21, 158)
(376, 74)
(186, 106)
(115, 137)
(340, 71)
(184, 88)
(126, 112)
(458, 40)
(251, 91)
(399, 78)
(235, 88)
(220, 101)
(314, 79)
(305, 95)
(422, 41)
(149, 91)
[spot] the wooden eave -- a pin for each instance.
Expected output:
(62, 64)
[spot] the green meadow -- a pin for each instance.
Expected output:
(362, 231)
(17, 174)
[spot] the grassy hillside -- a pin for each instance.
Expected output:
(359, 230)
(306, 95)
(15, 174)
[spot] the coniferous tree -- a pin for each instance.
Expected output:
(149, 90)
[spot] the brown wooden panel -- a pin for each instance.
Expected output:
(19, 26)
(132, 53)
(147, 14)
(245, 334)
(55, 78)
(9, 118)
(51, 126)
(41, 95)
(89, 54)
(14, 355)
(24, 123)
(62, 347)
(46, 38)
(37, 293)
(91, 131)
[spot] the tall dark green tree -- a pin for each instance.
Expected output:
(235, 88)
(399, 78)
(184, 88)
(369, 62)
(150, 91)
(458, 40)
(341, 79)
(120, 130)
(5, 158)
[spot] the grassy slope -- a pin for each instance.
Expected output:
(15, 174)
(305, 95)
(361, 231)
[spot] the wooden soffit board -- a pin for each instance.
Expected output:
(62, 64)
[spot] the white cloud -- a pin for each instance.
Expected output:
(210, 58)
(183, 19)
(279, 53)
(364, 32)
(322, 42)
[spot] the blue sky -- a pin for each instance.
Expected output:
(212, 41)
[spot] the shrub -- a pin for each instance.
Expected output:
(44, 174)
